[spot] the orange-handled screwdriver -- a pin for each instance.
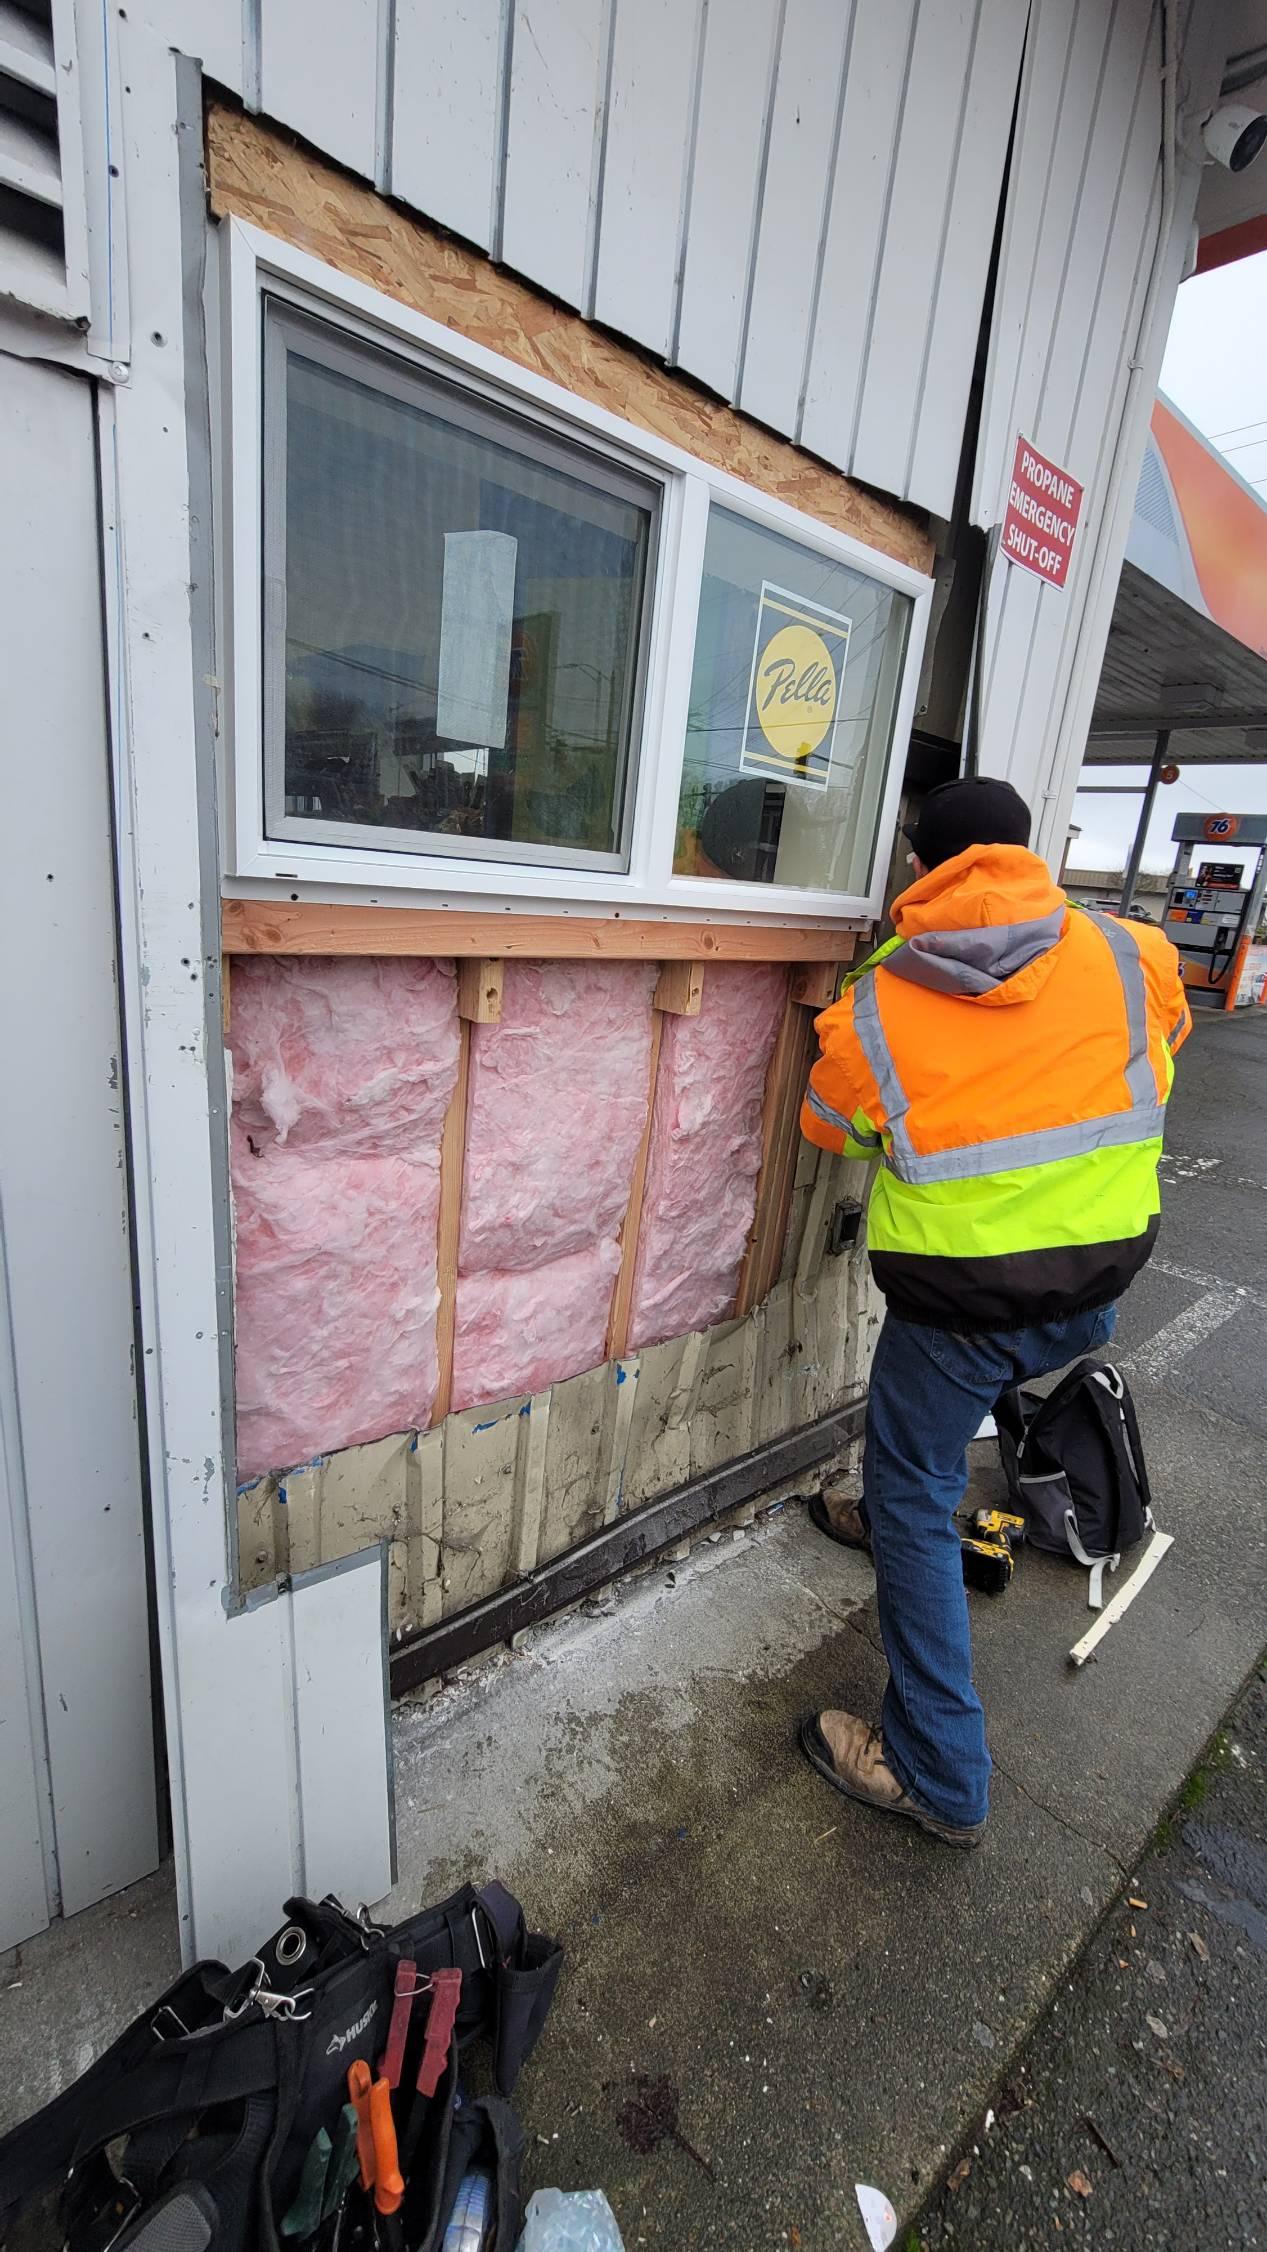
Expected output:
(389, 2187)
(360, 2084)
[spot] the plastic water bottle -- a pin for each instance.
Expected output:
(468, 2222)
(570, 2221)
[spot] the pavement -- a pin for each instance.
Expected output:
(1136, 2114)
(772, 1996)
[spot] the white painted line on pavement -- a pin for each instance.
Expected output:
(1209, 1282)
(1194, 1326)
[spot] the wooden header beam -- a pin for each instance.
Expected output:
(309, 926)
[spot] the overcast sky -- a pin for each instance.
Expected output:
(1216, 372)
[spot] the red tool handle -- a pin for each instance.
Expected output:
(391, 2063)
(446, 1992)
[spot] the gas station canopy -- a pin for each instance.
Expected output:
(1187, 650)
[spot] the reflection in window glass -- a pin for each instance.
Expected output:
(464, 599)
(798, 660)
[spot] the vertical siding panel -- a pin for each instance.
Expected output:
(1088, 57)
(932, 117)
(557, 96)
(211, 30)
(802, 128)
(1011, 621)
(1106, 245)
(1092, 343)
(855, 223)
(648, 130)
(1047, 57)
(321, 78)
(447, 125)
(734, 90)
(961, 279)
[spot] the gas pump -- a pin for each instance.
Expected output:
(1213, 911)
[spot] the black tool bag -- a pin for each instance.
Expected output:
(1075, 1469)
(190, 2133)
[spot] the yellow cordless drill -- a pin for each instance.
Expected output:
(988, 1547)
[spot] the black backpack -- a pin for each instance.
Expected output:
(1075, 1468)
(195, 2130)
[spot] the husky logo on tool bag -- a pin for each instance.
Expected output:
(340, 2041)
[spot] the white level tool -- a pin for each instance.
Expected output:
(1125, 1596)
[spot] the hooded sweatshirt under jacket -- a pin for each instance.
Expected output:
(1008, 1058)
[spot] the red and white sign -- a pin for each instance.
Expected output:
(1043, 507)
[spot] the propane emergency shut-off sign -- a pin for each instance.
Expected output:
(1042, 515)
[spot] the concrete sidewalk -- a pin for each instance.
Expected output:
(817, 1996)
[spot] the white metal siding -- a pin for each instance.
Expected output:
(793, 200)
(67, 1386)
(811, 66)
(732, 104)
(554, 141)
(1083, 211)
(319, 73)
(645, 159)
(447, 160)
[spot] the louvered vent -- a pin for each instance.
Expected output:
(42, 262)
(1152, 500)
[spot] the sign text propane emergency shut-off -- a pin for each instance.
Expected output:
(1043, 507)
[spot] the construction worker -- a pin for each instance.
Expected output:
(1007, 1058)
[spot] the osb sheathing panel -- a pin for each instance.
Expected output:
(256, 174)
(476, 1503)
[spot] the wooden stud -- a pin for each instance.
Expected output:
(480, 990)
(814, 985)
(780, 1143)
(680, 989)
(316, 926)
(622, 1295)
(452, 1168)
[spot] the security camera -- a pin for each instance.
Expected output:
(1232, 136)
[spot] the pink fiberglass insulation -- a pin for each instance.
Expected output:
(557, 1104)
(555, 1113)
(342, 1074)
(520, 1331)
(705, 1152)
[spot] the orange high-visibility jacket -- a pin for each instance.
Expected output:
(1008, 1059)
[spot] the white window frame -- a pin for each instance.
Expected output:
(256, 264)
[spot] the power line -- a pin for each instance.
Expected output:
(1236, 429)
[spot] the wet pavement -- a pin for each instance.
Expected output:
(1136, 2115)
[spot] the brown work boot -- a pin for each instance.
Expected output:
(850, 1756)
(837, 1511)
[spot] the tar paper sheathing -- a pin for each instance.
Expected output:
(705, 1153)
(556, 1110)
(342, 1074)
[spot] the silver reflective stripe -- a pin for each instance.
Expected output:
(1177, 1027)
(824, 1111)
(1143, 1122)
(1043, 1147)
(1141, 1085)
(870, 1033)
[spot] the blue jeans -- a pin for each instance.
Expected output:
(929, 1392)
